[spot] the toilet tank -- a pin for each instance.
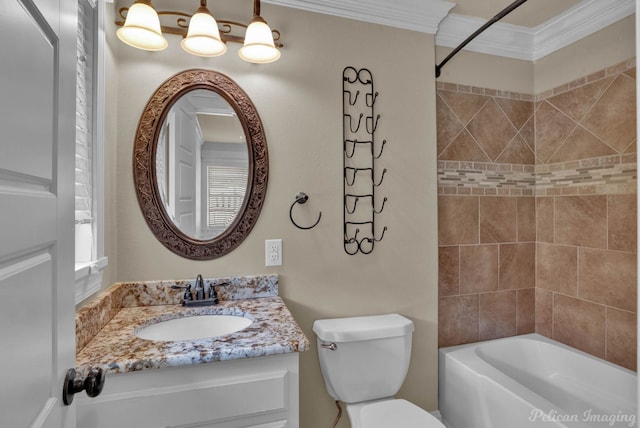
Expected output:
(371, 355)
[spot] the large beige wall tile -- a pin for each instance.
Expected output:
(517, 266)
(528, 132)
(478, 268)
(622, 338)
(581, 144)
(518, 111)
(622, 217)
(581, 220)
(464, 105)
(552, 129)
(492, 129)
(579, 324)
(545, 213)
(544, 312)
(498, 219)
(448, 125)
(448, 271)
(612, 118)
(557, 268)
(497, 314)
(457, 320)
(517, 152)
(608, 277)
(458, 220)
(526, 219)
(577, 102)
(526, 311)
(463, 148)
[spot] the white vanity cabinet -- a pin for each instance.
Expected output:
(257, 392)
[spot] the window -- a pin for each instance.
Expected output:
(89, 257)
(223, 185)
(226, 186)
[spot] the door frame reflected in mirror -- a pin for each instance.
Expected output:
(144, 161)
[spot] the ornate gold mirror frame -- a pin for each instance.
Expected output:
(144, 161)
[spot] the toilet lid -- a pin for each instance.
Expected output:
(397, 413)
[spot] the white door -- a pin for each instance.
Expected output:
(187, 154)
(37, 87)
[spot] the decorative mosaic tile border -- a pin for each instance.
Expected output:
(615, 174)
(477, 178)
(607, 175)
(483, 91)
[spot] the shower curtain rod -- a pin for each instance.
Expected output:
(488, 24)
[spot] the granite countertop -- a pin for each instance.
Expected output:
(105, 329)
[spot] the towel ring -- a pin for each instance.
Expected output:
(302, 198)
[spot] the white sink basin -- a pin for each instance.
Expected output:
(194, 327)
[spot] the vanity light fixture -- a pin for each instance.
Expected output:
(202, 34)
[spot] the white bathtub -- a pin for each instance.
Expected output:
(532, 381)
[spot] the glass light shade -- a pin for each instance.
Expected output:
(142, 28)
(258, 43)
(203, 36)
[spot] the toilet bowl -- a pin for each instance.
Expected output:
(364, 361)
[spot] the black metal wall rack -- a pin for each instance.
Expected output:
(361, 155)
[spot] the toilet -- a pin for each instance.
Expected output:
(364, 361)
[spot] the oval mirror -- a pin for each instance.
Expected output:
(200, 164)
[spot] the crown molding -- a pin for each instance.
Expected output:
(417, 15)
(508, 40)
(580, 21)
(531, 44)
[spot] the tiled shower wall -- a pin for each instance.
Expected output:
(537, 214)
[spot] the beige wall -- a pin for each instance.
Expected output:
(486, 71)
(300, 101)
(609, 46)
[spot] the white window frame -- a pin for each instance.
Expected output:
(223, 172)
(88, 278)
(226, 155)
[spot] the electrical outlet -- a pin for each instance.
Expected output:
(273, 252)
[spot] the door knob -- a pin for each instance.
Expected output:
(92, 384)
